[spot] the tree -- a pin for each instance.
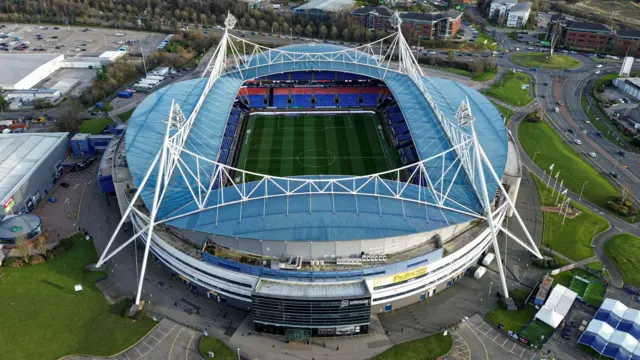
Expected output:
(368, 35)
(308, 30)
(346, 35)
(42, 242)
(450, 54)
(334, 32)
(298, 29)
(3, 102)
(23, 247)
(67, 120)
(323, 32)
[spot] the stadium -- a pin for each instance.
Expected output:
(316, 184)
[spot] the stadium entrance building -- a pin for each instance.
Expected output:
(320, 309)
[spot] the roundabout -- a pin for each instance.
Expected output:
(542, 60)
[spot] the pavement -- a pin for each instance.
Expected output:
(168, 340)
(486, 342)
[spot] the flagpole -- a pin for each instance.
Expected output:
(567, 209)
(550, 173)
(560, 188)
(553, 192)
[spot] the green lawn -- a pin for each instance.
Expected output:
(483, 76)
(595, 293)
(44, 318)
(597, 266)
(316, 145)
(599, 123)
(486, 40)
(126, 115)
(512, 320)
(535, 331)
(624, 251)
(427, 348)
(540, 59)
(564, 278)
(94, 126)
(220, 350)
(509, 89)
(573, 239)
(519, 296)
(574, 170)
(506, 113)
(579, 286)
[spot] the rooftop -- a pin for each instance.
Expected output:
(16, 66)
(380, 10)
(326, 5)
(580, 25)
(523, 6)
(629, 33)
(434, 16)
(296, 289)
(505, 2)
(20, 155)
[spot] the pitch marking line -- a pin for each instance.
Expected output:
(166, 334)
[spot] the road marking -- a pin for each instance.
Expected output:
(522, 353)
(174, 343)
(505, 341)
(494, 339)
(144, 342)
(186, 356)
(166, 334)
(486, 353)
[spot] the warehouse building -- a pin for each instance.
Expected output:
(30, 164)
(24, 71)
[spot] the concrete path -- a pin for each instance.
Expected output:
(615, 278)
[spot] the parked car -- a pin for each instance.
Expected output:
(566, 332)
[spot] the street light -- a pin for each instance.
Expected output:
(238, 353)
(581, 190)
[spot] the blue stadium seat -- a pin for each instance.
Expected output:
(284, 76)
(396, 118)
(369, 99)
(345, 76)
(403, 138)
(227, 142)
(301, 101)
(301, 75)
(224, 156)
(233, 120)
(393, 109)
(281, 101)
(325, 100)
(256, 101)
(230, 131)
(324, 75)
(349, 100)
(399, 129)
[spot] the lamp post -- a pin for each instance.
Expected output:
(534, 156)
(238, 353)
(581, 190)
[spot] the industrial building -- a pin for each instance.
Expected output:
(30, 164)
(24, 71)
(321, 8)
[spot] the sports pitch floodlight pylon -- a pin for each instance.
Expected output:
(208, 178)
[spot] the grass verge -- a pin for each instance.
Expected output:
(47, 319)
(512, 320)
(624, 251)
(219, 348)
(94, 126)
(427, 348)
(541, 60)
(126, 115)
(540, 138)
(573, 239)
(536, 331)
(509, 89)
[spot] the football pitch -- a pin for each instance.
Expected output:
(316, 144)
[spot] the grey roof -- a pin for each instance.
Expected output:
(380, 10)
(327, 5)
(297, 289)
(20, 156)
(504, 2)
(580, 25)
(629, 33)
(16, 66)
(13, 226)
(434, 16)
(523, 6)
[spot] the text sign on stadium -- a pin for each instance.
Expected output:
(408, 275)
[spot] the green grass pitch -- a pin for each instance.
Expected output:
(316, 144)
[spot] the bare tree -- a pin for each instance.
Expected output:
(23, 247)
(42, 242)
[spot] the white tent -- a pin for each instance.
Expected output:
(624, 340)
(614, 306)
(557, 306)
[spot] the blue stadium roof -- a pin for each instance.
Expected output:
(376, 218)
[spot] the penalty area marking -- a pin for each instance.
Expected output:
(281, 126)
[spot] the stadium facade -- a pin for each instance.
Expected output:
(317, 251)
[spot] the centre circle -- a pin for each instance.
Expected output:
(316, 158)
